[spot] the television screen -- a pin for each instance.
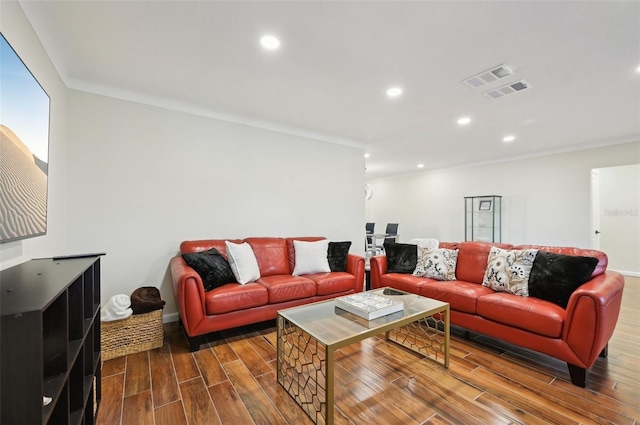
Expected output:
(24, 149)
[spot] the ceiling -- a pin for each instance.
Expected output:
(337, 59)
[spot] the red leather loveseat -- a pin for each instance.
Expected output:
(233, 304)
(577, 334)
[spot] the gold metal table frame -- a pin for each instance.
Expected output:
(309, 335)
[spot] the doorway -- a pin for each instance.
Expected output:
(615, 216)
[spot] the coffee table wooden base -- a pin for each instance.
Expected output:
(305, 365)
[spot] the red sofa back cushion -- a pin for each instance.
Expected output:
(448, 245)
(275, 256)
(272, 255)
(472, 260)
(206, 244)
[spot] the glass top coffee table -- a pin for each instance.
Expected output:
(309, 335)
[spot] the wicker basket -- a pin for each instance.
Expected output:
(139, 332)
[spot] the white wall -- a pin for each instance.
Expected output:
(546, 200)
(142, 179)
(18, 32)
(134, 181)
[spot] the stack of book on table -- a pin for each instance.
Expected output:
(369, 305)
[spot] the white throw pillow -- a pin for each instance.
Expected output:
(243, 262)
(428, 243)
(311, 257)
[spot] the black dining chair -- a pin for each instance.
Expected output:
(392, 230)
(369, 228)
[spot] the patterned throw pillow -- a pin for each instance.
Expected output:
(437, 263)
(509, 270)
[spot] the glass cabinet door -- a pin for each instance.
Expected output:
(482, 218)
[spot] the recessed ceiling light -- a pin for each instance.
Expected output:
(509, 138)
(394, 92)
(638, 69)
(366, 155)
(464, 120)
(420, 165)
(270, 42)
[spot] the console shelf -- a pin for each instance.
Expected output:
(482, 218)
(50, 339)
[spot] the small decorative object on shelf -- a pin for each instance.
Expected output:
(369, 305)
(482, 218)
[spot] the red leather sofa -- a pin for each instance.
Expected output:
(233, 305)
(576, 335)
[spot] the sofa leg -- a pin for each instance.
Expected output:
(194, 342)
(578, 375)
(605, 351)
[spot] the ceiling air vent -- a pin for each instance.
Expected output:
(507, 90)
(489, 76)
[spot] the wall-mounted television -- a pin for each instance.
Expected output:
(24, 149)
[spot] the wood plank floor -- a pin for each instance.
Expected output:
(232, 380)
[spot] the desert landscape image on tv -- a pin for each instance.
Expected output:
(24, 149)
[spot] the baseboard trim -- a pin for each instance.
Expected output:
(627, 273)
(170, 317)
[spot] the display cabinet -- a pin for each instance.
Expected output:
(50, 353)
(483, 218)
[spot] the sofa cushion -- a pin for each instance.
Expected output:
(286, 287)
(311, 257)
(205, 244)
(448, 245)
(271, 254)
(472, 259)
(461, 296)
(291, 251)
(333, 283)
(233, 297)
(337, 255)
(401, 257)
(402, 281)
(530, 314)
(439, 264)
(508, 270)
(243, 262)
(213, 268)
(554, 277)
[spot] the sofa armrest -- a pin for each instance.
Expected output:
(355, 266)
(592, 314)
(377, 267)
(189, 294)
